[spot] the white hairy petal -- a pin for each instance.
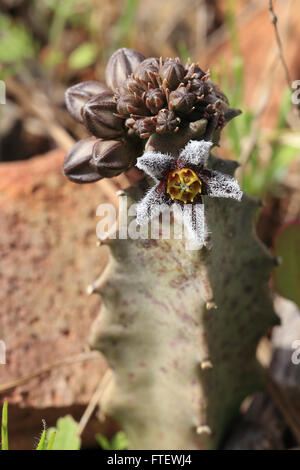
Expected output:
(220, 185)
(194, 223)
(156, 165)
(151, 205)
(195, 153)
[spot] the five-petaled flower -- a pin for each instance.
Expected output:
(182, 183)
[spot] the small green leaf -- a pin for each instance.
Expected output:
(84, 56)
(103, 442)
(4, 430)
(17, 43)
(66, 434)
(287, 275)
(119, 441)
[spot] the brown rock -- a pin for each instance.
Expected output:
(48, 256)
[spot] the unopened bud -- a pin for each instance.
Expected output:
(218, 93)
(132, 104)
(77, 162)
(112, 157)
(167, 122)
(171, 74)
(147, 71)
(121, 64)
(181, 100)
(99, 116)
(155, 100)
(76, 96)
(143, 127)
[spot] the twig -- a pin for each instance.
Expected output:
(274, 21)
(94, 402)
(66, 362)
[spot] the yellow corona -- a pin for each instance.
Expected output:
(183, 185)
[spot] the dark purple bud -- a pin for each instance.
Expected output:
(147, 71)
(112, 157)
(181, 100)
(131, 86)
(215, 90)
(172, 74)
(121, 64)
(143, 127)
(99, 116)
(194, 71)
(77, 95)
(167, 122)
(155, 100)
(197, 86)
(77, 162)
(131, 104)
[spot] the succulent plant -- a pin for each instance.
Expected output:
(178, 327)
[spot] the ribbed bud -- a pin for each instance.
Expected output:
(171, 74)
(142, 127)
(197, 86)
(181, 100)
(167, 122)
(131, 86)
(77, 162)
(121, 64)
(76, 96)
(99, 117)
(218, 93)
(194, 71)
(147, 71)
(155, 100)
(132, 104)
(112, 157)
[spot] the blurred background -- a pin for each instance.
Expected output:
(48, 253)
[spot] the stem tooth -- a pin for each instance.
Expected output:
(210, 304)
(90, 289)
(206, 364)
(204, 429)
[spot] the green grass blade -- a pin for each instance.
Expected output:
(42, 445)
(4, 430)
(51, 441)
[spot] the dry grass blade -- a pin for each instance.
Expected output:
(68, 361)
(274, 21)
(94, 402)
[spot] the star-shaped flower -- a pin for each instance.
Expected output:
(182, 183)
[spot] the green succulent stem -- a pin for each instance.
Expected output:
(180, 328)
